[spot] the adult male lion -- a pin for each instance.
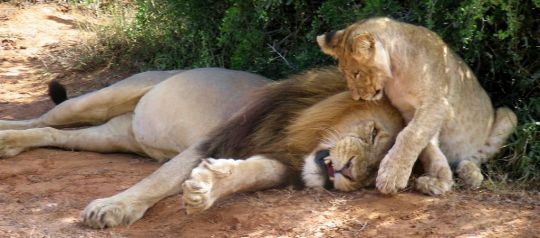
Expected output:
(449, 115)
(167, 115)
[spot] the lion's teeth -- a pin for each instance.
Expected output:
(327, 162)
(331, 178)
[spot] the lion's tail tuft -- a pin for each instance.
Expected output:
(57, 92)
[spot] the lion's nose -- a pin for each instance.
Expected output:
(355, 95)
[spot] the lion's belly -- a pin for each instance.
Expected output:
(183, 109)
(468, 124)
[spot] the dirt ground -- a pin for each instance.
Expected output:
(43, 191)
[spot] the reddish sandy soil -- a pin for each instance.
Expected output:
(43, 191)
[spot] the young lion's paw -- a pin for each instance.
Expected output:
(433, 186)
(8, 144)
(470, 174)
(392, 177)
(111, 212)
(201, 190)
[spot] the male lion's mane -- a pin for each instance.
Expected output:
(267, 126)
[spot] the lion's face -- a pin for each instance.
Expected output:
(364, 79)
(363, 62)
(351, 161)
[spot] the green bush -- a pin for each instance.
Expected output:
(497, 38)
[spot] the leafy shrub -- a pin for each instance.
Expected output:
(497, 38)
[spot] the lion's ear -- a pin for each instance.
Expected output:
(363, 45)
(328, 42)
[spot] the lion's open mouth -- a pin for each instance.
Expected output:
(322, 158)
(346, 170)
(327, 169)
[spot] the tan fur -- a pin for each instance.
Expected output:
(162, 115)
(449, 115)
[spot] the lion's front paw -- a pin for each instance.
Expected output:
(8, 144)
(392, 176)
(433, 186)
(390, 181)
(203, 188)
(110, 212)
(470, 173)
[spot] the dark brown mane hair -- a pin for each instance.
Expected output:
(261, 127)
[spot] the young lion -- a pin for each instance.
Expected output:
(449, 116)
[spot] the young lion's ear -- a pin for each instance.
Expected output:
(363, 45)
(328, 42)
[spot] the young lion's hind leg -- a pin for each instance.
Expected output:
(470, 174)
(468, 170)
(438, 179)
(113, 136)
(216, 178)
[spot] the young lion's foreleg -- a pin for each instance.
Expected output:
(396, 167)
(216, 178)
(130, 205)
(113, 136)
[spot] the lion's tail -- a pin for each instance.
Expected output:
(503, 126)
(57, 92)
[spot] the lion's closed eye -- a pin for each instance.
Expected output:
(374, 133)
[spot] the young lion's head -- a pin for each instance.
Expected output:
(362, 59)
